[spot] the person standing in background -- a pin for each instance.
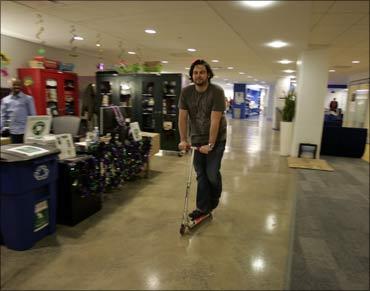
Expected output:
(14, 111)
(333, 105)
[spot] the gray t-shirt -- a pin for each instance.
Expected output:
(199, 107)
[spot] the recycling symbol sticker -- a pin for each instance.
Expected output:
(41, 172)
(38, 128)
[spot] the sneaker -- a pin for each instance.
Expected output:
(196, 214)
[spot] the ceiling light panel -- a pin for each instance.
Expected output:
(150, 31)
(277, 44)
(257, 4)
(285, 61)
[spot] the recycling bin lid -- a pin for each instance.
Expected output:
(24, 152)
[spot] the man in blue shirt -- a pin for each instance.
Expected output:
(14, 111)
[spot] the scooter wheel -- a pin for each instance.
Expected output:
(182, 229)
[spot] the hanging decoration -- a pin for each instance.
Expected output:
(100, 64)
(121, 52)
(73, 52)
(5, 61)
(99, 46)
(40, 51)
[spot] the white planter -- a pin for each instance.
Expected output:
(286, 132)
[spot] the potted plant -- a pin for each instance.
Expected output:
(286, 125)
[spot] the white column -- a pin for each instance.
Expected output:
(269, 103)
(312, 80)
(281, 88)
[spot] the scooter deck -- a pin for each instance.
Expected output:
(199, 220)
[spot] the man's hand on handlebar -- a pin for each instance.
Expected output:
(184, 146)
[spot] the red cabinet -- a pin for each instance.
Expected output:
(54, 92)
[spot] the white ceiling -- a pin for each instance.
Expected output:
(223, 30)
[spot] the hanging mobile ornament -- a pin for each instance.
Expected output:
(41, 50)
(100, 65)
(73, 52)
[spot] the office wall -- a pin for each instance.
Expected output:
(21, 51)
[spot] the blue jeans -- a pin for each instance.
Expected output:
(209, 177)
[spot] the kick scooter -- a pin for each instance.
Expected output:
(187, 223)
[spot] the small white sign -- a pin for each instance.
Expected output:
(239, 98)
(66, 146)
(136, 132)
(37, 126)
(41, 215)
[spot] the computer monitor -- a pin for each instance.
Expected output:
(107, 119)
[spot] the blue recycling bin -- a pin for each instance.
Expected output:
(28, 176)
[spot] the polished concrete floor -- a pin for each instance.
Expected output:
(134, 241)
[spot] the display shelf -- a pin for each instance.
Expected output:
(54, 93)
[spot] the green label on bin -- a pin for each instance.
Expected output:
(41, 215)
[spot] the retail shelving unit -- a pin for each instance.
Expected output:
(153, 99)
(55, 93)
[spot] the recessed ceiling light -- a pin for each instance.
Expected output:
(249, 76)
(98, 44)
(285, 61)
(76, 37)
(288, 71)
(164, 62)
(257, 4)
(192, 50)
(241, 73)
(131, 53)
(355, 62)
(331, 71)
(215, 61)
(277, 44)
(186, 68)
(230, 68)
(150, 31)
(256, 80)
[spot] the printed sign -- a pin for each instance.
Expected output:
(37, 126)
(136, 132)
(66, 146)
(41, 215)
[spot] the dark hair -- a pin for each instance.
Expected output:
(203, 63)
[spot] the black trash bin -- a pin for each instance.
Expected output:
(27, 193)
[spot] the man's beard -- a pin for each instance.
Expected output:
(200, 82)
